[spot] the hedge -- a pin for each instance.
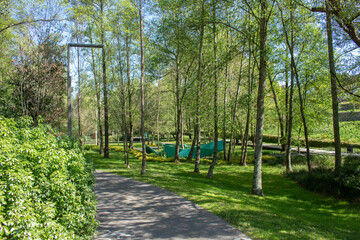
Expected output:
(46, 184)
(313, 142)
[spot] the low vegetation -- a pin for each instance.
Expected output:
(286, 212)
(46, 184)
(323, 180)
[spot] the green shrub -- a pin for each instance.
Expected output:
(350, 177)
(46, 185)
(323, 180)
(89, 147)
(315, 143)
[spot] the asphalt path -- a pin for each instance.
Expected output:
(129, 209)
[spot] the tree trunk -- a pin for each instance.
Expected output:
(278, 111)
(98, 97)
(257, 179)
(244, 142)
(199, 73)
(182, 129)
(178, 113)
(96, 129)
(142, 63)
(131, 124)
(304, 122)
(290, 46)
(157, 115)
(123, 109)
(106, 107)
(283, 144)
(194, 141)
(212, 166)
(225, 87)
(79, 86)
(235, 106)
(334, 98)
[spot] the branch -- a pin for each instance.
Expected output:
(302, 5)
(318, 9)
(244, 34)
(343, 88)
(29, 21)
(345, 23)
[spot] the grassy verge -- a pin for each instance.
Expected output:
(286, 212)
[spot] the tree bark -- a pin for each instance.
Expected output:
(278, 111)
(182, 129)
(290, 46)
(79, 84)
(294, 72)
(178, 113)
(194, 141)
(225, 87)
(123, 108)
(157, 114)
(98, 97)
(212, 166)
(244, 142)
(199, 73)
(235, 106)
(307, 144)
(142, 63)
(257, 179)
(334, 97)
(284, 143)
(131, 124)
(106, 107)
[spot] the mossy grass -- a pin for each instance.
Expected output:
(286, 212)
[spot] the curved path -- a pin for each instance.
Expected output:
(129, 209)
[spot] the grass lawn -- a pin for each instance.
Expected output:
(286, 212)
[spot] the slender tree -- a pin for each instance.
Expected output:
(257, 179)
(105, 91)
(212, 166)
(129, 89)
(335, 104)
(199, 84)
(98, 94)
(142, 65)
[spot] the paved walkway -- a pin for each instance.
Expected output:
(129, 209)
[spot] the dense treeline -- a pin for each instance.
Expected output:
(213, 69)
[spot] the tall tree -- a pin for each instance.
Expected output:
(98, 93)
(263, 22)
(142, 64)
(346, 22)
(335, 104)
(199, 85)
(212, 166)
(105, 91)
(291, 46)
(129, 88)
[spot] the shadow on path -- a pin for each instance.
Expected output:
(129, 209)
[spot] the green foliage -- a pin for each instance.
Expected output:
(316, 143)
(350, 177)
(46, 184)
(323, 180)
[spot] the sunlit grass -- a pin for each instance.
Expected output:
(286, 212)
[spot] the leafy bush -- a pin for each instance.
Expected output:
(323, 180)
(315, 143)
(46, 185)
(350, 177)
